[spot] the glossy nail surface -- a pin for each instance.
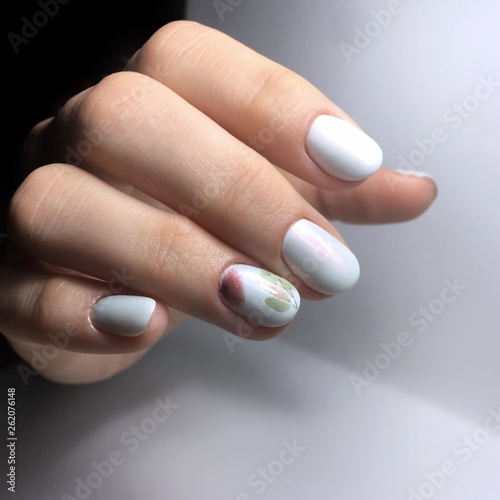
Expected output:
(343, 150)
(319, 259)
(261, 297)
(126, 315)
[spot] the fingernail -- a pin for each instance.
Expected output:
(259, 296)
(319, 259)
(415, 173)
(126, 315)
(422, 175)
(342, 149)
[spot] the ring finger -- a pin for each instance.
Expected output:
(68, 217)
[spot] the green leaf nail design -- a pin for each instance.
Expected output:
(283, 292)
(277, 304)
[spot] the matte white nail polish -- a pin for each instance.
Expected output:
(319, 259)
(261, 297)
(342, 149)
(126, 315)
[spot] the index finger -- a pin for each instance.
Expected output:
(263, 104)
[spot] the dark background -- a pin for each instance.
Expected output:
(84, 41)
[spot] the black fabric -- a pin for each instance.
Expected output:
(56, 48)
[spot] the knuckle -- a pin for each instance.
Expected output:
(51, 291)
(99, 115)
(112, 99)
(38, 147)
(170, 43)
(275, 86)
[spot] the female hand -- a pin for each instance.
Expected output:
(197, 182)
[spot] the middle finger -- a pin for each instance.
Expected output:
(154, 140)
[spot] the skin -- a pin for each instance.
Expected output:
(179, 121)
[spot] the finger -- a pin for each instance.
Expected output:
(65, 216)
(69, 312)
(263, 104)
(174, 153)
(70, 367)
(388, 196)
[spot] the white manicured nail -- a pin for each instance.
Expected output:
(415, 173)
(259, 296)
(319, 259)
(126, 315)
(343, 150)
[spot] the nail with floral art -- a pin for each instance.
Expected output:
(261, 297)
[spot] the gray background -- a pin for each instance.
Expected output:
(236, 408)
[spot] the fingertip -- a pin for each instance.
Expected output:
(424, 189)
(425, 176)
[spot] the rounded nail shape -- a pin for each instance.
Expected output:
(343, 150)
(319, 259)
(126, 315)
(261, 297)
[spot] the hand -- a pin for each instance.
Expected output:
(197, 182)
